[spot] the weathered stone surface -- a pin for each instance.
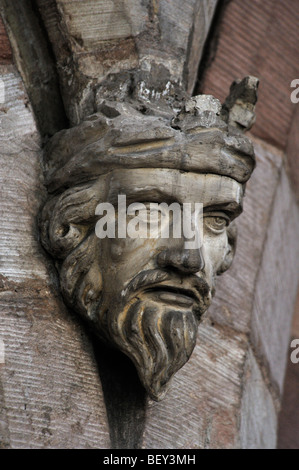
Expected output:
(292, 151)
(261, 39)
(50, 392)
(207, 393)
(276, 283)
(50, 389)
(145, 294)
(21, 187)
(289, 417)
(295, 325)
(257, 413)
(232, 304)
(202, 407)
(232, 308)
(239, 107)
(112, 37)
(270, 52)
(198, 412)
(288, 437)
(35, 63)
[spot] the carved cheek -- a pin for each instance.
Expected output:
(117, 249)
(91, 287)
(215, 249)
(134, 254)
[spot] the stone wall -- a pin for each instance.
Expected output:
(288, 436)
(50, 392)
(56, 389)
(262, 38)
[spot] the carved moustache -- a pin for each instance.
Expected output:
(186, 289)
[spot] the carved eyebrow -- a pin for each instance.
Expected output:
(150, 194)
(232, 209)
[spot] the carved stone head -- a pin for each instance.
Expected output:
(146, 296)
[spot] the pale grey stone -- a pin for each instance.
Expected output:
(257, 413)
(276, 287)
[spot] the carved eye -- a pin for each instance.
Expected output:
(216, 223)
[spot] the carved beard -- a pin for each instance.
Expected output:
(159, 339)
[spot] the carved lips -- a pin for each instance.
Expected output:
(170, 288)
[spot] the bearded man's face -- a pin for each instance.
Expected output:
(146, 296)
(155, 290)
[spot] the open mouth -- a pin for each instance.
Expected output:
(176, 295)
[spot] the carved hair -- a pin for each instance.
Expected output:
(67, 233)
(119, 136)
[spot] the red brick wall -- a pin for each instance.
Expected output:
(5, 49)
(261, 38)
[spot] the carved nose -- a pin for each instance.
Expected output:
(185, 260)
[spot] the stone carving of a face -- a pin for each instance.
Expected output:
(144, 296)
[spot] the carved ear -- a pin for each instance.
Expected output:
(66, 219)
(231, 249)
